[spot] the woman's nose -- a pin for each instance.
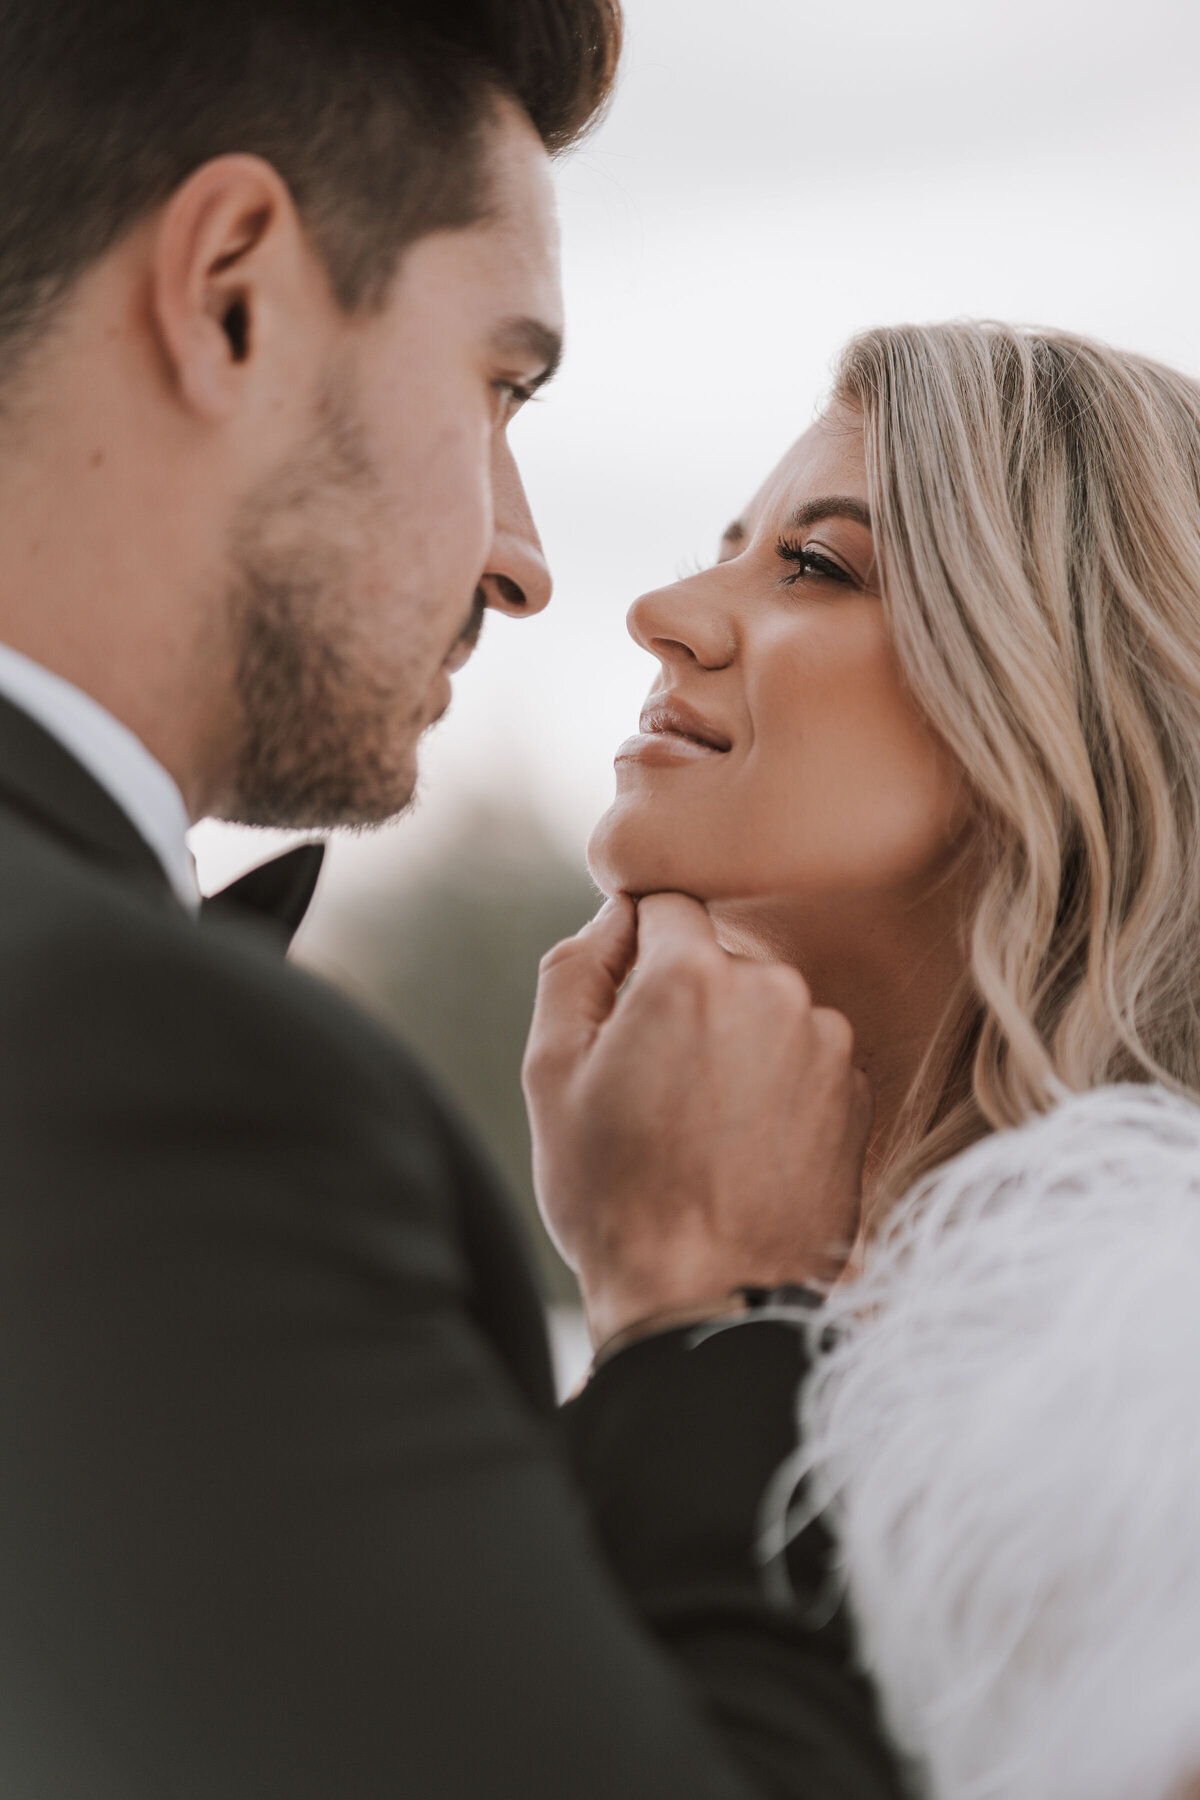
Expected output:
(684, 623)
(517, 579)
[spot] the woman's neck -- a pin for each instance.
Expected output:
(893, 970)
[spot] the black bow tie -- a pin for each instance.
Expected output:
(276, 894)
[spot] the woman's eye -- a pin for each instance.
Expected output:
(811, 564)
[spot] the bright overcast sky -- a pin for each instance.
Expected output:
(773, 176)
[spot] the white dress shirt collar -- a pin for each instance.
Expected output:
(113, 756)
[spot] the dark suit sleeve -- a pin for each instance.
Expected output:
(276, 1522)
(676, 1442)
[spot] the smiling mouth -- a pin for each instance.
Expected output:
(672, 718)
(671, 733)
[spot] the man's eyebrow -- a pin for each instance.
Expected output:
(828, 506)
(532, 339)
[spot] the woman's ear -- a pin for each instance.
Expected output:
(228, 249)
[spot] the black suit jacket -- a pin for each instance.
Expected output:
(286, 1512)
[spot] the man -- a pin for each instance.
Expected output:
(283, 1510)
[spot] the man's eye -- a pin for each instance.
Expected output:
(810, 564)
(512, 395)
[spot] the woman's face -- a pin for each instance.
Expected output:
(781, 770)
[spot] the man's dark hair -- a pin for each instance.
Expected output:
(372, 111)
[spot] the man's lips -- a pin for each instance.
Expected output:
(672, 732)
(464, 644)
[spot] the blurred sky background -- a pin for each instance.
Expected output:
(772, 176)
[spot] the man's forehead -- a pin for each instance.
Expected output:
(523, 204)
(461, 281)
(517, 247)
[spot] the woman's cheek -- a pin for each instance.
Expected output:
(846, 789)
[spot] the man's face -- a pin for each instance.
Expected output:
(362, 567)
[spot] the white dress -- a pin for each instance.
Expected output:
(1008, 1435)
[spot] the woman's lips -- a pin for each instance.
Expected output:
(672, 732)
(663, 747)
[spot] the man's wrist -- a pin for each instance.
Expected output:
(746, 1301)
(667, 1319)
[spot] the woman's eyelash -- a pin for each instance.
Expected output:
(810, 562)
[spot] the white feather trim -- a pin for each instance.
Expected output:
(1008, 1436)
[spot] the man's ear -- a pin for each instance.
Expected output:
(228, 248)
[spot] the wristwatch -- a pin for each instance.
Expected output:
(756, 1302)
(789, 1296)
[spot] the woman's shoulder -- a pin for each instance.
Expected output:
(1111, 1159)
(1076, 1139)
(1051, 1239)
(1106, 1135)
(1008, 1432)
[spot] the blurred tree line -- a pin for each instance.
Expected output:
(448, 958)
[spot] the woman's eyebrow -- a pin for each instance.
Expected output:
(828, 506)
(734, 534)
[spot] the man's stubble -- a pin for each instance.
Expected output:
(327, 732)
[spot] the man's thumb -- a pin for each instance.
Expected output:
(579, 981)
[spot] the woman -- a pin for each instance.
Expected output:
(948, 670)
(930, 730)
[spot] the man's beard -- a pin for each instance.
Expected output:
(325, 739)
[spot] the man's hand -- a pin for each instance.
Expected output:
(702, 1130)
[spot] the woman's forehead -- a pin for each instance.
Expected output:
(829, 458)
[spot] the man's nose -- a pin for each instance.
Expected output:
(516, 580)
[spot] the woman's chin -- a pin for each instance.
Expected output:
(604, 859)
(626, 855)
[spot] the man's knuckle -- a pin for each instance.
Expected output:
(542, 1057)
(836, 1033)
(556, 956)
(786, 984)
(684, 970)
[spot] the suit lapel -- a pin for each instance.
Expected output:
(43, 782)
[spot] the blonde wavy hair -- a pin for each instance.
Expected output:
(1036, 505)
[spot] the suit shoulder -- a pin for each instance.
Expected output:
(97, 970)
